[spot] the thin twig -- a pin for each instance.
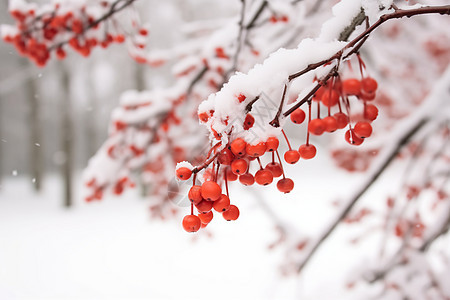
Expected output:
(403, 141)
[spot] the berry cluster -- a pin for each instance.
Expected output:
(233, 161)
(206, 198)
(40, 31)
(336, 93)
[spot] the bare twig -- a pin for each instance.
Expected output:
(403, 141)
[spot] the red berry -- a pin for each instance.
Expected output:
(316, 126)
(291, 156)
(263, 177)
(298, 116)
(363, 129)
(285, 185)
(248, 122)
(351, 86)
(330, 98)
(195, 194)
(225, 157)
(256, 150)
(369, 85)
(318, 95)
(239, 166)
(307, 151)
(231, 214)
(241, 98)
(238, 147)
(191, 223)
(206, 217)
(222, 204)
(203, 117)
(204, 206)
(184, 173)
(230, 175)
(247, 179)
(331, 124)
(367, 96)
(352, 138)
(275, 168)
(370, 112)
(143, 31)
(342, 119)
(272, 144)
(211, 190)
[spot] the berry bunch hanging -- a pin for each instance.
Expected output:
(234, 157)
(42, 30)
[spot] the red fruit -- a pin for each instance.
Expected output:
(248, 122)
(330, 99)
(191, 223)
(143, 31)
(331, 124)
(307, 151)
(211, 190)
(241, 98)
(238, 147)
(298, 116)
(203, 117)
(318, 95)
(184, 173)
(316, 126)
(231, 214)
(272, 144)
(225, 157)
(351, 86)
(363, 129)
(60, 53)
(256, 150)
(367, 96)
(263, 177)
(275, 168)
(206, 217)
(230, 175)
(222, 204)
(370, 112)
(369, 85)
(342, 119)
(204, 206)
(291, 156)
(195, 194)
(285, 185)
(352, 138)
(239, 166)
(247, 179)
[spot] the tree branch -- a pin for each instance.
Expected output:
(403, 141)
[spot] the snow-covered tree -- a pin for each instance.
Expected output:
(329, 78)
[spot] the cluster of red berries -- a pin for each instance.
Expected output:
(336, 93)
(206, 198)
(36, 36)
(235, 160)
(236, 157)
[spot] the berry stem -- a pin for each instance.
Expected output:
(217, 172)
(309, 120)
(259, 162)
(287, 141)
(318, 110)
(281, 164)
(226, 183)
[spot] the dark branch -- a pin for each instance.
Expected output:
(403, 141)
